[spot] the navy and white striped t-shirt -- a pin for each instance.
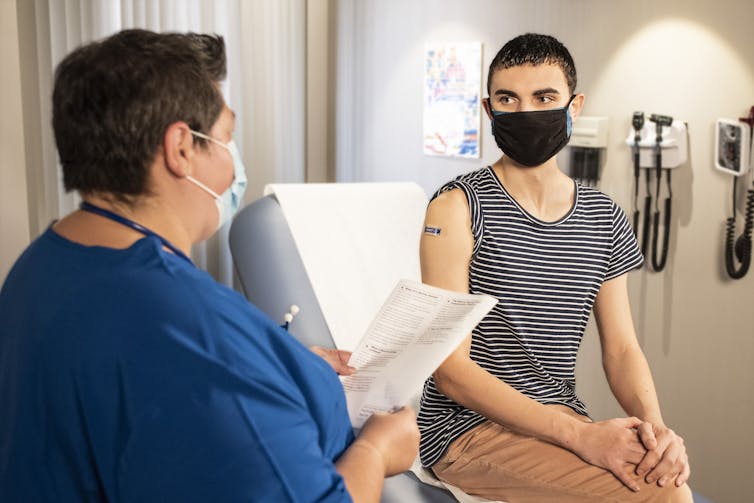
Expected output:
(546, 276)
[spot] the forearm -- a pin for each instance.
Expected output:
(363, 471)
(625, 367)
(631, 382)
(468, 384)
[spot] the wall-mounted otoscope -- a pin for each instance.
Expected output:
(733, 145)
(637, 122)
(658, 144)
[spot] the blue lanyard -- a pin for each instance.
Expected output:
(85, 206)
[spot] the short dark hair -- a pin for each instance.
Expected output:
(211, 52)
(113, 100)
(534, 49)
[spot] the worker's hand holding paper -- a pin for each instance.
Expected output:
(414, 331)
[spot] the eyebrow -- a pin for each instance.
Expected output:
(538, 92)
(506, 92)
(547, 90)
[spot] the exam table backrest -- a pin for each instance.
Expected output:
(271, 272)
(272, 276)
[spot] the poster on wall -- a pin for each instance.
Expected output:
(452, 85)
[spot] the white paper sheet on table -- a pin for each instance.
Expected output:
(356, 240)
(417, 327)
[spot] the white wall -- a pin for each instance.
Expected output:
(690, 59)
(14, 216)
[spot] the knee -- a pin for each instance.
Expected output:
(677, 495)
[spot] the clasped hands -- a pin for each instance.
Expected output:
(666, 458)
(631, 449)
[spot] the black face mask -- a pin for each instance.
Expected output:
(531, 138)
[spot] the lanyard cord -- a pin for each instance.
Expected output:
(86, 206)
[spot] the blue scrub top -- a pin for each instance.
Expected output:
(131, 375)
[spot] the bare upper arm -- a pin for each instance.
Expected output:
(445, 256)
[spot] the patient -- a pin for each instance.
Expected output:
(500, 418)
(126, 373)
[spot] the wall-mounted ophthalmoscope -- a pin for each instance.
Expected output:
(637, 122)
(658, 264)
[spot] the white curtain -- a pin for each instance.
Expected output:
(265, 42)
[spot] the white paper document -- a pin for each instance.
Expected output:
(417, 327)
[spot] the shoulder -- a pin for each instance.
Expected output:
(459, 194)
(593, 196)
(466, 181)
(451, 214)
(597, 203)
(450, 201)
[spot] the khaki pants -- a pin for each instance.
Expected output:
(492, 462)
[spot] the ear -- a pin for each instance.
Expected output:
(178, 145)
(486, 105)
(577, 105)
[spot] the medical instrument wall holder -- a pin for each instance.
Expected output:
(662, 144)
(675, 144)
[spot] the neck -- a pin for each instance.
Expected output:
(534, 181)
(151, 213)
(544, 191)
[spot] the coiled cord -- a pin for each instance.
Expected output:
(740, 248)
(658, 263)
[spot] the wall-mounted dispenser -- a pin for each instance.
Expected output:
(589, 132)
(587, 145)
(733, 146)
(658, 144)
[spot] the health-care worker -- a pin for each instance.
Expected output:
(128, 374)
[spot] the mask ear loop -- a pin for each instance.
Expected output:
(569, 115)
(202, 186)
(194, 180)
(207, 137)
(493, 113)
(197, 182)
(568, 105)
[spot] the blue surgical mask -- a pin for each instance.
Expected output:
(229, 201)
